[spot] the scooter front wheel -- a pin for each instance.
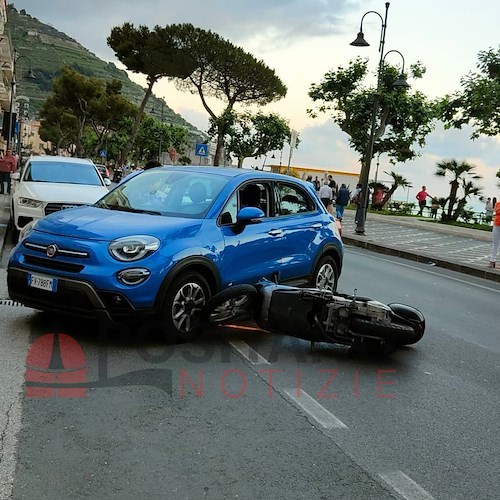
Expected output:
(236, 303)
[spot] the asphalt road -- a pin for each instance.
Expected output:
(221, 418)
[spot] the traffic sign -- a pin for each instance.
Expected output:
(201, 150)
(102, 153)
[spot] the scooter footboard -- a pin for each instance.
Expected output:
(285, 311)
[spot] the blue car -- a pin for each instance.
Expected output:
(162, 243)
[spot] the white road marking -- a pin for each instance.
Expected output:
(315, 410)
(248, 353)
(433, 272)
(405, 486)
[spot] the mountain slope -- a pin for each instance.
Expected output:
(49, 50)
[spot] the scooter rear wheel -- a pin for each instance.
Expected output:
(393, 333)
(236, 303)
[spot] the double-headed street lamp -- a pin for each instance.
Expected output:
(30, 75)
(364, 177)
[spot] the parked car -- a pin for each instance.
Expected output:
(48, 184)
(162, 243)
(103, 170)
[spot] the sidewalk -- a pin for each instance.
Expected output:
(451, 247)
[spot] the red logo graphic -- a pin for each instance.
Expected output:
(54, 362)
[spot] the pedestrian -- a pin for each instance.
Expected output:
(138, 170)
(496, 234)
(434, 208)
(342, 200)
(8, 165)
(325, 194)
(333, 185)
(488, 210)
(317, 184)
(422, 199)
(357, 199)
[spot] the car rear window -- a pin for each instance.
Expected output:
(62, 172)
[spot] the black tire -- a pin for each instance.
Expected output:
(412, 316)
(183, 305)
(326, 274)
(236, 303)
(394, 333)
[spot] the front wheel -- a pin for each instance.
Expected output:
(183, 304)
(393, 333)
(236, 303)
(326, 274)
(412, 316)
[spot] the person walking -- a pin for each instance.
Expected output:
(342, 200)
(357, 199)
(496, 235)
(422, 199)
(8, 165)
(326, 194)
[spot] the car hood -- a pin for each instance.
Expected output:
(94, 223)
(61, 193)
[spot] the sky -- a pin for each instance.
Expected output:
(302, 40)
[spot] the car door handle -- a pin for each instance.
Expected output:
(275, 232)
(317, 225)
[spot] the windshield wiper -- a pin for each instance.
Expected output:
(130, 209)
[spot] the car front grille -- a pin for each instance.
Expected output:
(53, 264)
(55, 207)
(66, 252)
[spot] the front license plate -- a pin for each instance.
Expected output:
(42, 282)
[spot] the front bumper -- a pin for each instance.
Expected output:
(74, 297)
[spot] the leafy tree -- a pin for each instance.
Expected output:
(397, 181)
(403, 120)
(108, 113)
(73, 93)
(58, 125)
(156, 54)
(230, 74)
(460, 176)
(253, 134)
(478, 103)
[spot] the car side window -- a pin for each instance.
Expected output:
(251, 194)
(292, 200)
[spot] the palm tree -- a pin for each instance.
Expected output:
(457, 171)
(397, 181)
(468, 189)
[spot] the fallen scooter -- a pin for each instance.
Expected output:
(364, 324)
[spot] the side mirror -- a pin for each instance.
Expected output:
(15, 176)
(107, 182)
(249, 215)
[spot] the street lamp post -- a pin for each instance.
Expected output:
(29, 75)
(364, 177)
(401, 82)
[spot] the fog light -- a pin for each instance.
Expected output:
(134, 276)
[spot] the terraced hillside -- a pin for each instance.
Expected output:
(49, 50)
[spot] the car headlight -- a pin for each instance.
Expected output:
(26, 230)
(29, 202)
(132, 248)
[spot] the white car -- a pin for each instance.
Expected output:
(48, 184)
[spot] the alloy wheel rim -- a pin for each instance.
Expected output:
(188, 302)
(326, 278)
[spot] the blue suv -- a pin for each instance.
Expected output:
(162, 243)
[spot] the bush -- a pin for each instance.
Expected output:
(401, 207)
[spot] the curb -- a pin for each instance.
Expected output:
(452, 266)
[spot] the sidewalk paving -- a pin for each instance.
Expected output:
(457, 248)
(451, 247)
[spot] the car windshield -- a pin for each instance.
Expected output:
(164, 191)
(65, 172)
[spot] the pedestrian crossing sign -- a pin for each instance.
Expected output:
(201, 149)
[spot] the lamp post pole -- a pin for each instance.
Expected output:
(364, 176)
(13, 82)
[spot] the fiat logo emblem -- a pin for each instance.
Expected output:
(51, 250)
